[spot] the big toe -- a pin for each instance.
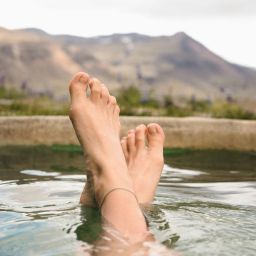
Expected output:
(140, 136)
(78, 86)
(155, 137)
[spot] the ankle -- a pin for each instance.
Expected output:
(120, 207)
(105, 182)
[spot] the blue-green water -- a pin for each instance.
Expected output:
(205, 203)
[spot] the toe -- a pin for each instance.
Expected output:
(104, 94)
(112, 103)
(95, 87)
(78, 86)
(116, 110)
(155, 137)
(112, 100)
(140, 136)
(131, 142)
(124, 147)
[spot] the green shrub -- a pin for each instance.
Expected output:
(11, 93)
(130, 101)
(177, 111)
(129, 97)
(230, 110)
(34, 107)
(202, 106)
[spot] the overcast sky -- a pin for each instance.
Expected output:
(227, 27)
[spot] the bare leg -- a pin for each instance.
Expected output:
(96, 122)
(87, 196)
(97, 128)
(145, 163)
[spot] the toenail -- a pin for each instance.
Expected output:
(95, 81)
(130, 134)
(152, 129)
(141, 126)
(83, 79)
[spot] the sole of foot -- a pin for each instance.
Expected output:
(95, 118)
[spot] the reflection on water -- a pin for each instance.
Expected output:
(205, 203)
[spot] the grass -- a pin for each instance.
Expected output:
(36, 106)
(11, 94)
(15, 103)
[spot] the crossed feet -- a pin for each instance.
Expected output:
(143, 151)
(135, 164)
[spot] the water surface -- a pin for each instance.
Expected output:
(205, 202)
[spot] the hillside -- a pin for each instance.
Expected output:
(176, 65)
(35, 62)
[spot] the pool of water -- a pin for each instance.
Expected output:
(205, 202)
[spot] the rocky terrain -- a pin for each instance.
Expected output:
(177, 66)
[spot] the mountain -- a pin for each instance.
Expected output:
(35, 61)
(176, 66)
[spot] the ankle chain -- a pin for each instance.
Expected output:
(114, 189)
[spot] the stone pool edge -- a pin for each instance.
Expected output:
(187, 132)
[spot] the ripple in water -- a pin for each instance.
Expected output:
(201, 207)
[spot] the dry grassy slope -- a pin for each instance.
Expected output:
(175, 65)
(36, 60)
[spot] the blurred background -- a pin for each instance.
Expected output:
(159, 58)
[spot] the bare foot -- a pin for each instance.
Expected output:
(145, 163)
(95, 119)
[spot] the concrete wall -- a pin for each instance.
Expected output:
(190, 132)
